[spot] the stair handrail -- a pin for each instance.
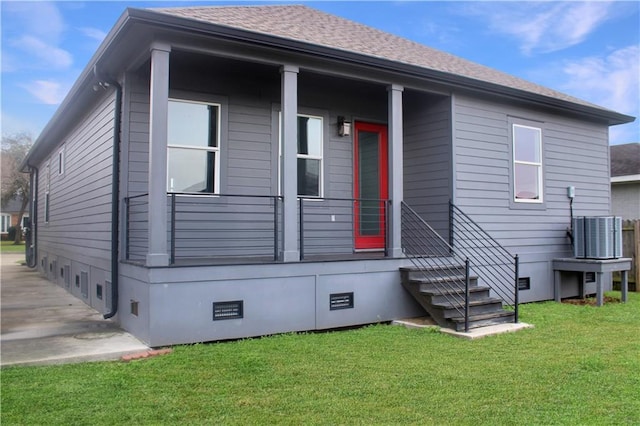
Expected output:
(497, 265)
(436, 260)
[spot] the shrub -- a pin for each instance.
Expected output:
(11, 233)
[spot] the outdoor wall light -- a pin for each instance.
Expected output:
(344, 127)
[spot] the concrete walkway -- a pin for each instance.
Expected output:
(43, 324)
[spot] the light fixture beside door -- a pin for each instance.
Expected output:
(344, 126)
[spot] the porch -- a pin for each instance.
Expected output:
(228, 229)
(227, 174)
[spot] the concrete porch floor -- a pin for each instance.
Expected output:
(43, 324)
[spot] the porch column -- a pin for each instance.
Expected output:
(396, 187)
(289, 175)
(159, 106)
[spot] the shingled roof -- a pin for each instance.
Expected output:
(625, 159)
(308, 25)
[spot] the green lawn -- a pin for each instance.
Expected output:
(579, 365)
(9, 247)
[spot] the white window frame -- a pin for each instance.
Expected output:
(5, 223)
(539, 164)
(320, 158)
(24, 216)
(216, 149)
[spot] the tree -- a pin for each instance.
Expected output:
(15, 184)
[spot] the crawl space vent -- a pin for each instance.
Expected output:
(227, 310)
(340, 301)
(134, 307)
(524, 283)
(84, 284)
(67, 276)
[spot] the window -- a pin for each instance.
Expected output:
(193, 157)
(309, 157)
(61, 162)
(527, 164)
(5, 223)
(25, 221)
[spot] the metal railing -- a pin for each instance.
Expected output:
(448, 265)
(498, 268)
(136, 229)
(436, 261)
(224, 226)
(206, 227)
(330, 226)
(231, 228)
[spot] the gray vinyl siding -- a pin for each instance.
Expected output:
(427, 160)
(233, 226)
(625, 200)
(79, 226)
(575, 153)
(248, 148)
(138, 137)
(74, 246)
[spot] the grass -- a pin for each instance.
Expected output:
(579, 365)
(9, 247)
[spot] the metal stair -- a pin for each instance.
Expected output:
(442, 295)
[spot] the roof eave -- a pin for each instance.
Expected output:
(132, 16)
(625, 179)
(177, 22)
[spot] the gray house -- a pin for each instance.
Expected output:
(625, 181)
(223, 172)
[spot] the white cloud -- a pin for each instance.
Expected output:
(93, 33)
(41, 19)
(546, 26)
(612, 81)
(47, 92)
(50, 55)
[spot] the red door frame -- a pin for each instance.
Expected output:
(371, 242)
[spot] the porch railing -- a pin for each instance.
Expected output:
(136, 228)
(498, 268)
(232, 228)
(333, 226)
(436, 261)
(470, 250)
(202, 228)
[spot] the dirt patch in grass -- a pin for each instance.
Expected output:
(590, 301)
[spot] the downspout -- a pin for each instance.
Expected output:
(115, 194)
(32, 256)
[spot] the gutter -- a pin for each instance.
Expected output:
(115, 191)
(625, 179)
(208, 29)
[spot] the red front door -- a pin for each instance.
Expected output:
(370, 185)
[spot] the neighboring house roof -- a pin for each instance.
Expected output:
(625, 162)
(12, 206)
(301, 30)
(302, 23)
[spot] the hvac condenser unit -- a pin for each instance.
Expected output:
(597, 237)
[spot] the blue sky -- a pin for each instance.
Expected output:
(590, 50)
